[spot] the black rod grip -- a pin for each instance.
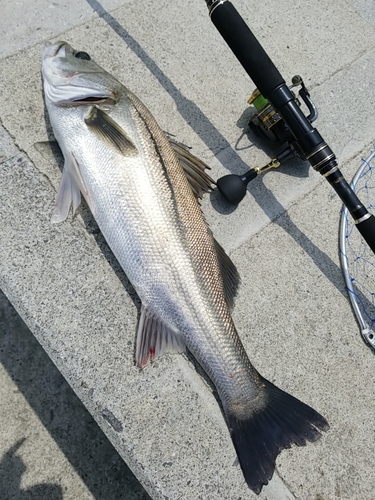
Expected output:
(364, 221)
(246, 48)
(367, 230)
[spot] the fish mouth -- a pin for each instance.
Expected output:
(65, 82)
(90, 101)
(51, 50)
(59, 47)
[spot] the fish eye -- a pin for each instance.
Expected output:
(83, 55)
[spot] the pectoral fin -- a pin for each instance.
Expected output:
(154, 338)
(69, 192)
(64, 198)
(100, 123)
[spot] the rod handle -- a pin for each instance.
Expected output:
(246, 48)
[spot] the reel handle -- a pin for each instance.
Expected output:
(233, 187)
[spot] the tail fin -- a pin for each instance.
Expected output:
(283, 422)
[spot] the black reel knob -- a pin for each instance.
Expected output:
(233, 187)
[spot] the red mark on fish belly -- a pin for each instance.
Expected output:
(152, 352)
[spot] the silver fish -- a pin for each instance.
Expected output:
(126, 168)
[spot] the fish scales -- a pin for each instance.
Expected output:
(129, 173)
(130, 197)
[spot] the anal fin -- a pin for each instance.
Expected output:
(154, 338)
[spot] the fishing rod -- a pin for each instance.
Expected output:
(279, 116)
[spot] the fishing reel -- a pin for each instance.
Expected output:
(278, 114)
(269, 124)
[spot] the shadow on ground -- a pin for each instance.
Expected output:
(11, 469)
(79, 437)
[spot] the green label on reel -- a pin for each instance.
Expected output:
(259, 102)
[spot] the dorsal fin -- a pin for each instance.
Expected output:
(154, 338)
(194, 169)
(201, 182)
(230, 275)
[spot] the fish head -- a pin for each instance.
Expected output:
(72, 78)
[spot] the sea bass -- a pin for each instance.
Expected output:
(127, 170)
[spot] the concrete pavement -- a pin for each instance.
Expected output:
(51, 447)
(292, 309)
